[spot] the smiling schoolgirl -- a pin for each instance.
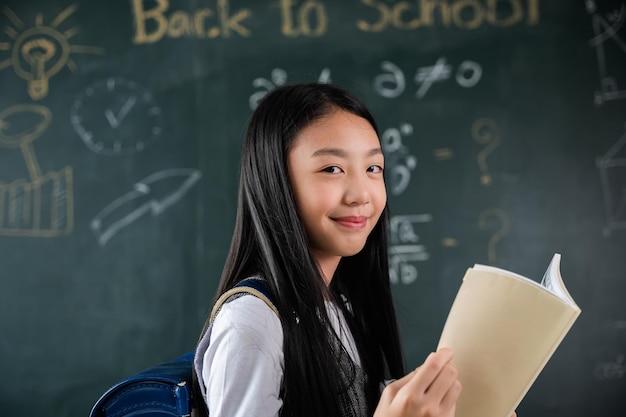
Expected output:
(312, 224)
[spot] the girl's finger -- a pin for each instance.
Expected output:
(452, 395)
(440, 386)
(426, 374)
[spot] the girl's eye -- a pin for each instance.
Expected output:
(375, 169)
(332, 170)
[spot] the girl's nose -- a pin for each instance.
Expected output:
(357, 191)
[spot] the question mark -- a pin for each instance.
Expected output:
(486, 222)
(485, 132)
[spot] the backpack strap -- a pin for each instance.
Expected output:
(254, 286)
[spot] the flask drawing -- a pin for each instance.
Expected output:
(42, 205)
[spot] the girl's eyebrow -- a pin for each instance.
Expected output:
(342, 153)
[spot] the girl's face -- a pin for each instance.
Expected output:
(336, 171)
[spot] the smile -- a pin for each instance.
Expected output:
(352, 222)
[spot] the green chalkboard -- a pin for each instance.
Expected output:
(502, 121)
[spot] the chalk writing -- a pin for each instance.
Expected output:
(427, 76)
(405, 249)
(606, 30)
(41, 206)
(462, 14)
(179, 23)
(485, 132)
(116, 116)
(40, 52)
(278, 77)
(310, 18)
(442, 154)
(153, 20)
(154, 194)
(496, 221)
(392, 82)
(400, 162)
(612, 166)
(467, 75)
(611, 370)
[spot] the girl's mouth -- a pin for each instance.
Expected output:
(352, 222)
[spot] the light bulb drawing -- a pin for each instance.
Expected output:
(39, 52)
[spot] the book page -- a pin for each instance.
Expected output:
(552, 280)
(502, 331)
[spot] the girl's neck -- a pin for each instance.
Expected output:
(328, 266)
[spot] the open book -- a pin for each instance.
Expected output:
(502, 329)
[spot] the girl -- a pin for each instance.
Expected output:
(312, 223)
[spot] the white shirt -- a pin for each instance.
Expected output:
(239, 361)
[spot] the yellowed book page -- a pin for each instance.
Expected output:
(502, 331)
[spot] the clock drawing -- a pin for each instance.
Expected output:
(116, 116)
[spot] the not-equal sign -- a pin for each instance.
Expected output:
(442, 154)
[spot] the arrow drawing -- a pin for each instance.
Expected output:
(143, 199)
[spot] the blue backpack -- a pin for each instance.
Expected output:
(165, 390)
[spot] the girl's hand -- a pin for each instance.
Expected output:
(431, 390)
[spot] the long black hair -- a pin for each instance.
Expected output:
(269, 240)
